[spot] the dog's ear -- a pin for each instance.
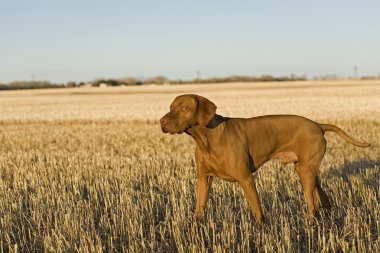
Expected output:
(206, 110)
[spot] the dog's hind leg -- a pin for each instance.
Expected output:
(320, 198)
(307, 169)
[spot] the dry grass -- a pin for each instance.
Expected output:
(89, 170)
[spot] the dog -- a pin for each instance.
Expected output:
(234, 148)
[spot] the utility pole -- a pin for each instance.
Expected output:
(356, 72)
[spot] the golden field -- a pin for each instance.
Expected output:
(89, 170)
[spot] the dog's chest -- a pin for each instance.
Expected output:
(219, 165)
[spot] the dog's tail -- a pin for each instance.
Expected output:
(343, 134)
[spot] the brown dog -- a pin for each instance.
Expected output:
(233, 148)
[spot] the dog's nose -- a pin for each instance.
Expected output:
(164, 121)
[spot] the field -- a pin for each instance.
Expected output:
(89, 170)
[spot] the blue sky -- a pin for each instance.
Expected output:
(82, 40)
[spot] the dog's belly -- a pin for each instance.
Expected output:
(222, 176)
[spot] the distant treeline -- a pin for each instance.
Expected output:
(263, 78)
(164, 80)
(160, 80)
(20, 85)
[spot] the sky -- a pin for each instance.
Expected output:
(83, 40)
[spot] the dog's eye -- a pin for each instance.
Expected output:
(183, 109)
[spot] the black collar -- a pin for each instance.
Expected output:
(216, 121)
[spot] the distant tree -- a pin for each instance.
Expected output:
(4, 87)
(71, 84)
(158, 80)
(326, 77)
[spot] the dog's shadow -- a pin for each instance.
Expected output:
(357, 168)
(356, 176)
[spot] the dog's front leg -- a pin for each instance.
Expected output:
(203, 188)
(250, 191)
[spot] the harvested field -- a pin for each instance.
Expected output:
(89, 170)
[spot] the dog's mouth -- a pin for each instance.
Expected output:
(164, 130)
(179, 131)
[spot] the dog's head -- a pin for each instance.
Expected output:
(187, 111)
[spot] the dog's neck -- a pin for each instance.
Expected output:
(214, 122)
(200, 133)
